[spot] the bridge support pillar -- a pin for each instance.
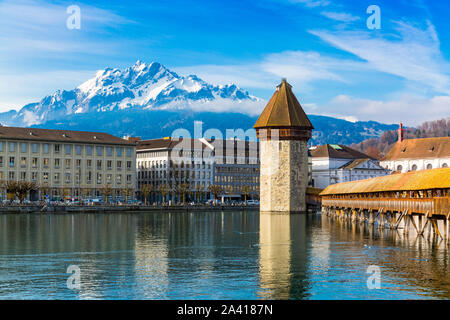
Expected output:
(371, 219)
(446, 227)
(354, 215)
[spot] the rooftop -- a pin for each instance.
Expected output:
(171, 143)
(419, 149)
(283, 110)
(337, 152)
(34, 134)
(414, 180)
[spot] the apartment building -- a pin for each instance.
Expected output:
(174, 168)
(190, 166)
(66, 163)
(335, 163)
(236, 168)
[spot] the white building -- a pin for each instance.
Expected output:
(168, 164)
(418, 154)
(332, 163)
(63, 163)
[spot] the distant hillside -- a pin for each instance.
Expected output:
(149, 124)
(150, 101)
(377, 147)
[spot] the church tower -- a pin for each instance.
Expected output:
(283, 130)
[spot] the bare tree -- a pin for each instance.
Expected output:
(198, 189)
(106, 190)
(127, 191)
(163, 189)
(246, 190)
(20, 188)
(215, 190)
(145, 191)
(182, 189)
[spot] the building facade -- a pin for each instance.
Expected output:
(283, 130)
(332, 163)
(173, 167)
(236, 169)
(418, 154)
(63, 164)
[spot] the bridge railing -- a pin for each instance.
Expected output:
(436, 206)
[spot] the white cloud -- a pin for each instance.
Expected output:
(413, 55)
(301, 68)
(220, 105)
(40, 26)
(16, 90)
(411, 110)
(340, 16)
(312, 3)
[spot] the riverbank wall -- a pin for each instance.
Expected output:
(111, 209)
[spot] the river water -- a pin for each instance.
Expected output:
(214, 255)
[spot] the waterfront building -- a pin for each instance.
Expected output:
(283, 130)
(236, 168)
(174, 168)
(63, 163)
(335, 163)
(190, 166)
(417, 154)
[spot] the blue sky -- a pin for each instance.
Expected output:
(337, 66)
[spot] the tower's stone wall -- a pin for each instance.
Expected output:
(284, 175)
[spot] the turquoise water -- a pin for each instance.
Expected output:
(213, 255)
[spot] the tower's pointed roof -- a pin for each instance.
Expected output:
(283, 110)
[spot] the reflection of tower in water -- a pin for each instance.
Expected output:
(283, 256)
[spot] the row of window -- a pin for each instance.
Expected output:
(163, 164)
(23, 176)
(414, 167)
(163, 174)
(67, 149)
(237, 179)
(239, 170)
(67, 163)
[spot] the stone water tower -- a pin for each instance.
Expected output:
(283, 130)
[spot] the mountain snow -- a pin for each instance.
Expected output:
(141, 86)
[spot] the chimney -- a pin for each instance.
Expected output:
(400, 132)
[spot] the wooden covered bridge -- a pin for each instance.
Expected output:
(418, 200)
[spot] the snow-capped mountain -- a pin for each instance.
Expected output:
(144, 100)
(141, 86)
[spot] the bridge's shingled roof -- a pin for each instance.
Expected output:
(414, 180)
